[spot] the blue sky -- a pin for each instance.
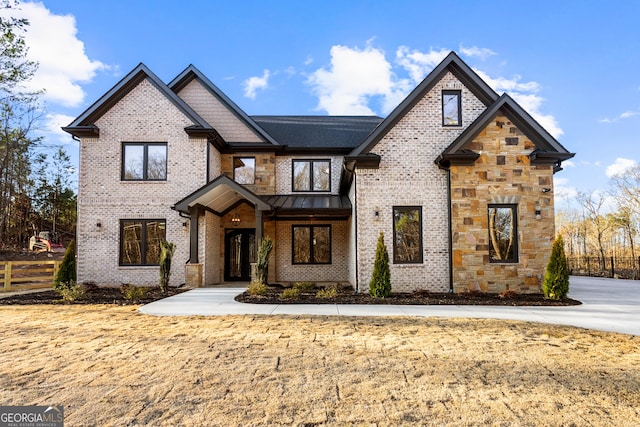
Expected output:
(572, 64)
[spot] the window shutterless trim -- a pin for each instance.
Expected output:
(143, 240)
(311, 166)
(420, 237)
(516, 252)
(311, 245)
(458, 93)
(233, 166)
(145, 160)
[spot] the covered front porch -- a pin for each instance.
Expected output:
(226, 221)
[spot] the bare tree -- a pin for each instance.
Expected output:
(592, 204)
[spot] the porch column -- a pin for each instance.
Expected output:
(259, 227)
(194, 212)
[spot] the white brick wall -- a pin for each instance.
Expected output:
(217, 114)
(408, 177)
(284, 171)
(143, 115)
(336, 271)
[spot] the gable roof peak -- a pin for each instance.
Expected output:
(451, 63)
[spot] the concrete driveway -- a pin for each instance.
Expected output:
(607, 305)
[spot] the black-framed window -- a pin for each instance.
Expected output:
(503, 233)
(311, 244)
(140, 241)
(311, 175)
(144, 161)
(407, 234)
(452, 108)
(244, 170)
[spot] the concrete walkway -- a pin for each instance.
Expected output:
(607, 305)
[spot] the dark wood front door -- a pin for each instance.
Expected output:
(239, 253)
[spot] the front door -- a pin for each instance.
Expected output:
(239, 253)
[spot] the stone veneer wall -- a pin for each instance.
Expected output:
(143, 115)
(502, 174)
(265, 172)
(408, 177)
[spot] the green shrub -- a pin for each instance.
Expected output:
(290, 293)
(380, 284)
(166, 253)
(304, 286)
(556, 278)
(66, 275)
(134, 293)
(71, 291)
(257, 288)
(328, 292)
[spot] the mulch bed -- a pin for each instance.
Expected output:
(94, 295)
(346, 296)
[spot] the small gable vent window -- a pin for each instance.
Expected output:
(451, 108)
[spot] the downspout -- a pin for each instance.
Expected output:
(355, 210)
(450, 231)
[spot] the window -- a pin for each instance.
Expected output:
(140, 241)
(144, 161)
(503, 233)
(451, 108)
(311, 175)
(244, 170)
(407, 234)
(311, 244)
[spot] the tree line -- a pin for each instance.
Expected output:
(598, 231)
(35, 185)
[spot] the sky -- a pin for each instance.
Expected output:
(574, 65)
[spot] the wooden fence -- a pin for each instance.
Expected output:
(22, 275)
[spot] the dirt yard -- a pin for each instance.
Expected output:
(111, 366)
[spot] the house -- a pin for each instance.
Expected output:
(458, 178)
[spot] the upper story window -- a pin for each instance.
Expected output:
(407, 234)
(244, 170)
(503, 233)
(140, 241)
(311, 175)
(451, 108)
(144, 161)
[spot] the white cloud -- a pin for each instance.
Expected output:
(568, 164)
(253, 84)
(418, 64)
(53, 124)
(525, 94)
(479, 52)
(53, 43)
(622, 116)
(620, 166)
(562, 191)
(356, 76)
(353, 78)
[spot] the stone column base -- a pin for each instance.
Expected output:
(193, 275)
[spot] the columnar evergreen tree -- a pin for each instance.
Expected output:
(66, 276)
(380, 284)
(556, 278)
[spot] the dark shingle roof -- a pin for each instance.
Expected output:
(318, 131)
